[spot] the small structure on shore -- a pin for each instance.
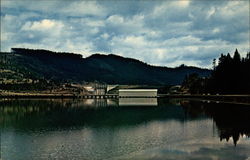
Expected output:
(137, 92)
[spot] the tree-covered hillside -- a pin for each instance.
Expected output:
(109, 69)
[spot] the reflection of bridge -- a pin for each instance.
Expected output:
(98, 96)
(138, 102)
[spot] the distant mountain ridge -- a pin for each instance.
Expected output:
(111, 69)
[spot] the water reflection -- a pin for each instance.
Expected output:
(87, 112)
(109, 129)
(232, 120)
(138, 102)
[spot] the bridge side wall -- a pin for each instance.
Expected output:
(129, 93)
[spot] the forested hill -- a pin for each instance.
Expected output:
(110, 69)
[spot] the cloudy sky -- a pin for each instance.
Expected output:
(167, 32)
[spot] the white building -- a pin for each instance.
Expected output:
(137, 92)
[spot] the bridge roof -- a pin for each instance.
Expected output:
(138, 90)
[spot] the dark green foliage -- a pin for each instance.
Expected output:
(42, 85)
(194, 83)
(44, 53)
(230, 76)
(236, 58)
(109, 69)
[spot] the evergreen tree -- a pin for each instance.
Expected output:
(214, 63)
(230, 76)
(237, 56)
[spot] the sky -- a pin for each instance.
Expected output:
(158, 32)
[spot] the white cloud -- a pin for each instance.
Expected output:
(94, 30)
(210, 13)
(165, 33)
(234, 8)
(135, 21)
(170, 7)
(43, 25)
(138, 41)
(47, 27)
(216, 30)
(105, 36)
(183, 3)
(5, 36)
(115, 19)
(67, 8)
(97, 23)
(79, 8)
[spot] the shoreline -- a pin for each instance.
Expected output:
(240, 99)
(116, 95)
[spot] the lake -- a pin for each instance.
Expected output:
(146, 128)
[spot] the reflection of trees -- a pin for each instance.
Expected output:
(232, 120)
(50, 114)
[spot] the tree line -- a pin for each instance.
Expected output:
(44, 53)
(230, 76)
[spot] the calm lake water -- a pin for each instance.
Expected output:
(124, 129)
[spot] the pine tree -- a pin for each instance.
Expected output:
(236, 57)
